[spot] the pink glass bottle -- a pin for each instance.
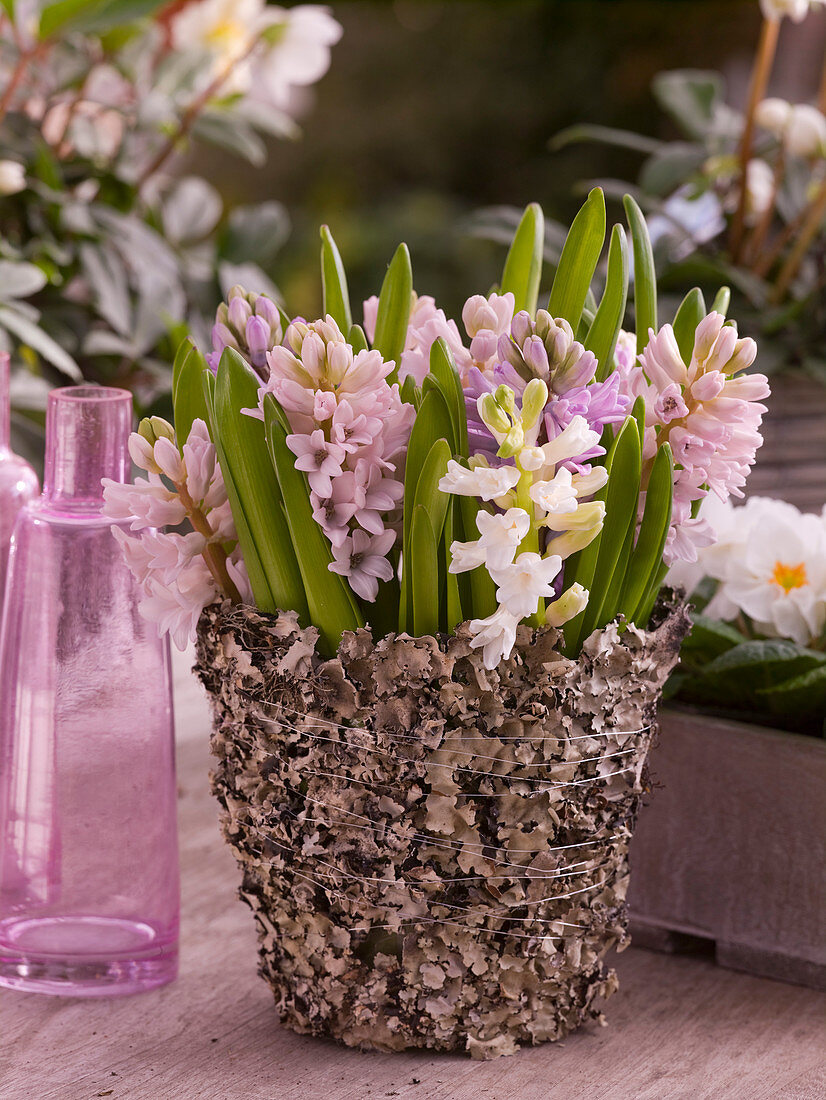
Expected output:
(88, 839)
(18, 481)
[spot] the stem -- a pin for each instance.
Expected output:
(762, 266)
(811, 225)
(530, 542)
(759, 80)
(214, 554)
(190, 117)
(17, 75)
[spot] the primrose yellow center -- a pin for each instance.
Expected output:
(227, 35)
(789, 576)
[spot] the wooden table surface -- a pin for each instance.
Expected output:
(679, 1028)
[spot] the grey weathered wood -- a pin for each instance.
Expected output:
(679, 1028)
(733, 846)
(791, 464)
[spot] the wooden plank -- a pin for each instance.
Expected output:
(678, 1027)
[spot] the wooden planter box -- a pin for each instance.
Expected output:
(732, 848)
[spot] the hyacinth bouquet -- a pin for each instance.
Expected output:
(422, 565)
(546, 471)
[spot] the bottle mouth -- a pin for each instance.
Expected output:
(99, 394)
(87, 432)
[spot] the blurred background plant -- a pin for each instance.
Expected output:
(740, 196)
(106, 256)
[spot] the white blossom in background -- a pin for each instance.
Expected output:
(177, 572)
(770, 562)
(796, 10)
(800, 127)
(12, 177)
(259, 50)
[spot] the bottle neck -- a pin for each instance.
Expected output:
(5, 402)
(87, 436)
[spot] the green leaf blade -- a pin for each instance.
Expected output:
(645, 278)
(603, 333)
(578, 261)
(334, 282)
(523, 265)
(393, 312)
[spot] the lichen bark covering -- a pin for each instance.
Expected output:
(436, 854)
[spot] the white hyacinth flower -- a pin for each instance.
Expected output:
(501, 536)
(573, 440)
(494, 635)
(557, 496)
(527, 580)
(482, 481)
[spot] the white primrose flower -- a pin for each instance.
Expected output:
(481, 481)
(494, 635)
(568, 606)
(527, 580)
(501, 536)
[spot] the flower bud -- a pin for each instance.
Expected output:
(569, 604)
(492, 414)
(154, 428)
(513, 442)
(294, 336)
(258, 341)
(506, 399)
(536, 357)
(773, 115)
(521, 327)
(534, 400)
(238, 313)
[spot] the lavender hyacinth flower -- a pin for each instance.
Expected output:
(249, 323)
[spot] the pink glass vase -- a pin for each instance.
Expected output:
(18, 481)
(88, 841)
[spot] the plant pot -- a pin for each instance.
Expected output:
(435, 854)
(733, 848)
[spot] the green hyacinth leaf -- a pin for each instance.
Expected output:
(253, 490)
(692, 310)
(453, 599)
(443, 370)
(432, 422)
(357, 339)
(428, 494)
(594, 566)
(645, 278)
(331, 603)
(188, 400)
(393, 312)
(721, 301)
(648, 552)
(580, 255)
(602, 335)
(424, 575)
(334, 282)
(482, 589)
(621, 501)
(523, 266)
